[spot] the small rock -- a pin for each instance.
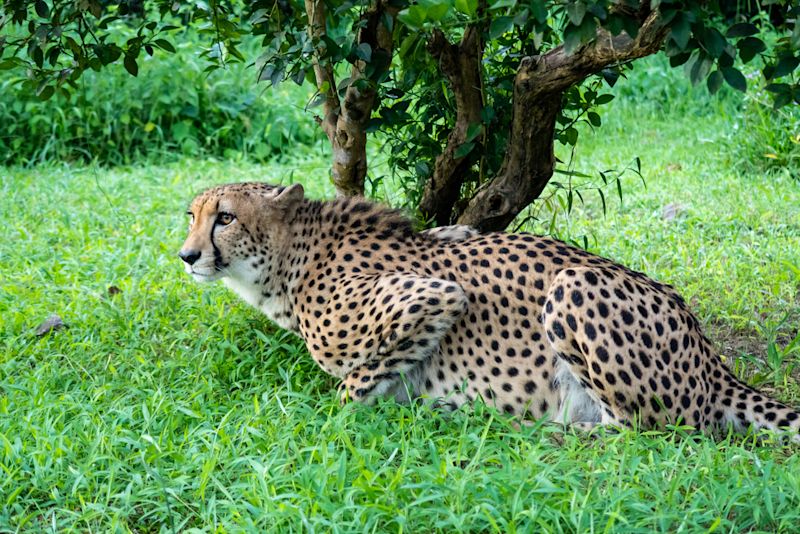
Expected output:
(51, 324)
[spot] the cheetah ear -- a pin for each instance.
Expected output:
(288, 198)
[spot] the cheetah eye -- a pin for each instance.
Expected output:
(191, 218)
(224, 219)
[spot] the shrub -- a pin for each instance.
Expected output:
(766, 139)
(172, 108)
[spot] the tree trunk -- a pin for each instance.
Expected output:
(461, 65)
(345, 120)
(527, 167)
(539, 85)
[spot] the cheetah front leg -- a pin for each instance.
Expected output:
(386, 377)
(381, 327)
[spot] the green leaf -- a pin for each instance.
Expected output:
(571, 135)
(786, 65)
(781, 100)
(680, 30)
(131, 66)
(727, 58)
(610, 76)
(8, 64)
(436, 11)
(576, 11)
(679, 59)
(575, 36)
(500, 4)
(735, 79)
(468, 7)
(46, 93)
(522, 17)
(463, 150)
(572, 39)
(499, 26)
(794, 41)
(594, 119)
(597, 10)
(714, 42)
(631, 25)
(714, 82)
(38, 56)
(700, 68)
(473, 131)
(742, 29)
(539, 10)
(364, 51)
(43, 11)
(614, 24)
(413, 17)
(749, 47)
(603, 99)
(163, 44)
(779, 88)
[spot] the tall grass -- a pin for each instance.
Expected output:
(173, 108)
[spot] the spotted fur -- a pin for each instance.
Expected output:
(529, 324)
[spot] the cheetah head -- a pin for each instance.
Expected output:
(236, 229)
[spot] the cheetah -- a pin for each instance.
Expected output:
(528, 324)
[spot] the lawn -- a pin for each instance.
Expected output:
(170, 406)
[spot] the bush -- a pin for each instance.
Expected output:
(765, 139)
(172, 108)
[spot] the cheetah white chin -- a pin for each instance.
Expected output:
(528, 324)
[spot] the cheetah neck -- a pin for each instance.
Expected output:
(273, 303)
(312, 236)
(269, 285)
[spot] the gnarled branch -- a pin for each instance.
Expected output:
(538, 89)
(461, 65)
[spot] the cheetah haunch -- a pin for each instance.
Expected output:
(532, 325)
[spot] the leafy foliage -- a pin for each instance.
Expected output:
(766, 139)
(173, 108)
(56, 42)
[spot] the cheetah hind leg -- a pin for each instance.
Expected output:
(588, 395)
(579, 408)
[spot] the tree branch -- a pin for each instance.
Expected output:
(461, 65)
(557, 71)
(315, 10)
(538, 89)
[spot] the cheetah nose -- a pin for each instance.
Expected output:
(189, 256)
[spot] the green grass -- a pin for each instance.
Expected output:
(171, 406)
(172, 109)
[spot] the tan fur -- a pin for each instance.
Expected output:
(529, 324)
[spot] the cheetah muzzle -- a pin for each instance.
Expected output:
(529, 324)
